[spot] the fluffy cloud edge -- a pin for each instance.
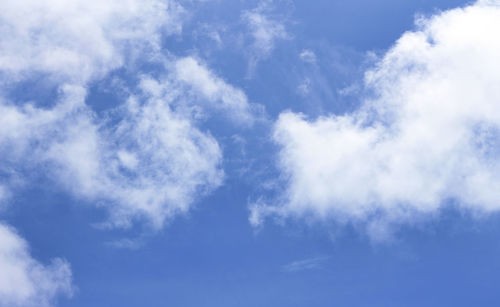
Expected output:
(26, 282)
(427, 136)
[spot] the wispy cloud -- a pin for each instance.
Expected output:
(215, 90)
(306, 264)
(266, 29)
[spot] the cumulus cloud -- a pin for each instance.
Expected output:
(74, 41)
(23, 280)
(429, 134)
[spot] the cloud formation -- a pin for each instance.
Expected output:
(429, 134)
(265, 28)
(145, 159)
(23, 280)
(73, 41)
(216, 91)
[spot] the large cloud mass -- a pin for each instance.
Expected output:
(431, 134)
(144, 159)
(69, 43)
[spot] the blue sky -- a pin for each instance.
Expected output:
(249, 153)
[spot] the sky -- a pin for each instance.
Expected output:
(249, 153)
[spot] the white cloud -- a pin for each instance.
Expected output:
(144, 160)
(430, 134)
(147, 162)
(221, 95)
(175, 162)
(73, 41)
(265, 29)
(23, 280)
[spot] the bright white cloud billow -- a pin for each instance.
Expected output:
(431, 134)
(25, 282)
(77, 40)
